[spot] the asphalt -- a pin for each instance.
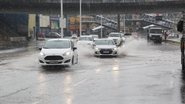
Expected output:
(174, 40)
(143, 73)
(31, 45)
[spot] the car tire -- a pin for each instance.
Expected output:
(76, 60)
(182, 62)
(72, 61)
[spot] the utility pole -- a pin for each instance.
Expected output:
(80, 17)
(101, 27)
(62, 19)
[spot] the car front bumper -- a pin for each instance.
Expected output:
(66, 61)
(98, 53)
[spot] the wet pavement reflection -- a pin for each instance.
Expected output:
(182, 89)
(144, 73)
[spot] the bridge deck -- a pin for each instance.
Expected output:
(92, 6)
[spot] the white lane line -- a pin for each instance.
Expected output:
(80, 82)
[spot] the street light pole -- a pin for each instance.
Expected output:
(101, 27)
(61, 19)
(124, 24)
(80, 17)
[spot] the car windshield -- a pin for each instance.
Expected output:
(85, 39)
(159, 31)
(114, 35)
(104, 42)
(52, 35)
(57, 44)
(73, 37)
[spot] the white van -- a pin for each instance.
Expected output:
(155, 34)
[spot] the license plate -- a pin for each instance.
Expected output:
(53, 62)
(105, 51)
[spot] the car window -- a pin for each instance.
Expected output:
(52, 35)
(86, 39)
(114, 35)
(57, 44)
(95, 36)
(156, 31)
(104, 42)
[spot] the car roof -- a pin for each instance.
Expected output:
(93, 34)
(116, 33)
(85, 36)
(103, 39)
(59, 39)
(155, 28)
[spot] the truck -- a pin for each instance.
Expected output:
(155, 34)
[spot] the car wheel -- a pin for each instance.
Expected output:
(182, 62)
(72, 62)
(76, 60)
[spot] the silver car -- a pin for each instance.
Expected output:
(105, 47)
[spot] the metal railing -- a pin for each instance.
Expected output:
(163, 23)
(112, 23)
(87, 1)
(105, 21)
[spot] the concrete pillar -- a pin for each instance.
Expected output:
(37, 25)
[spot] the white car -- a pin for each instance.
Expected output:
(85, 40)
(105, 47)
(42, 38)
(94, 36)
(58, 52)
(117, 37)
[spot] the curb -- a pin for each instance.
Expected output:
(172, 41)
(15, 50)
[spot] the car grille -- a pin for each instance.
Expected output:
(53, 62)
(106, 51)
(54, 58)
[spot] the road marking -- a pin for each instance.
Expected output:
(80, 82)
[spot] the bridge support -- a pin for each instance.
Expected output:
(37, 28)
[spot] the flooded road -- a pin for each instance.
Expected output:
(143, 73)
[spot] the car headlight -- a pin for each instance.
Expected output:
(97, 49)
(42, 54)
(115, 49)
(67, 53)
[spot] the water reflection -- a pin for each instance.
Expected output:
(183, 88)
(42, 86)
(115, 71)
(98, 70)
(54, 69)
(68, 89)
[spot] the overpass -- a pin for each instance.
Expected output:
(92, 6)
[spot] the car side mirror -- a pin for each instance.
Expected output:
(40, 49)
(74, 48)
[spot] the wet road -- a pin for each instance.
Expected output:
(144, 73)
